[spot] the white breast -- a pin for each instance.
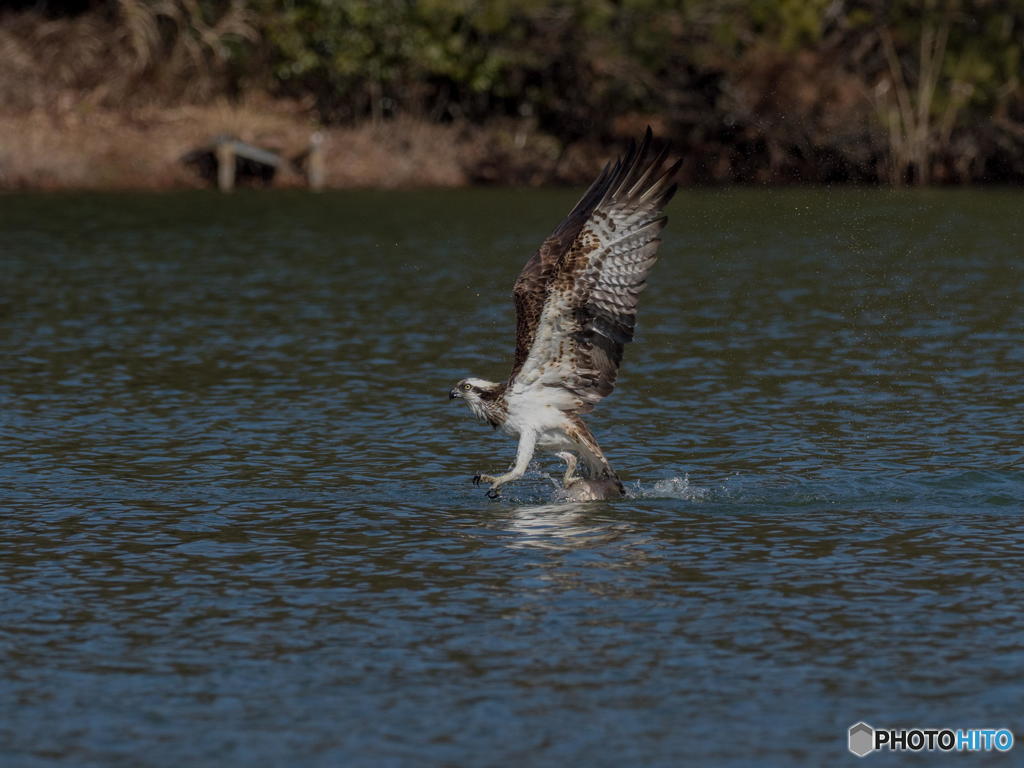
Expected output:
(526, 411)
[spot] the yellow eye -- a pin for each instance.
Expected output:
(466, 387)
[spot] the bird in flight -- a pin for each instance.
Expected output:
(576, 302)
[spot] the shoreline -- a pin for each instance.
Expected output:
(87, 148)
(143, 149)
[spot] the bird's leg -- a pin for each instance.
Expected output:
(570, 467)
(527, 442)
(481, 478)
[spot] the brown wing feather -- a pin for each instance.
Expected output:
(531, 287)
(589, 311)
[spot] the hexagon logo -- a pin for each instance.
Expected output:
(861, 739)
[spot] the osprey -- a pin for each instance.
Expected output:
(576, 302)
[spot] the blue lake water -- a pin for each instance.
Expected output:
(237, 525)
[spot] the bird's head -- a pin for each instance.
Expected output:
(478, 394)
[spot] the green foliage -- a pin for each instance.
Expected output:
(352, 52)
(787, 23)
(562, 59)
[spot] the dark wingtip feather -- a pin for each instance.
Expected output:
(639, 177)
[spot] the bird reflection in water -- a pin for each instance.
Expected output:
(563, 526)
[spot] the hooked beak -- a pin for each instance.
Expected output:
(453, 393)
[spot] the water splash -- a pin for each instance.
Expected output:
(668, 488)
(543, 487)
(675, 487)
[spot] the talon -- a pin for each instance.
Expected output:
(476, 479)
(493, 493)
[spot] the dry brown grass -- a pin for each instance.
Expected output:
(143, 53)
(399, 153)
(98, 148)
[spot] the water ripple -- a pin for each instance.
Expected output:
(238, 526)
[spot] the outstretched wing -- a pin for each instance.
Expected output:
(584, 296)
(531, 288)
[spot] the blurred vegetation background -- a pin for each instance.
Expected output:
(762, 91)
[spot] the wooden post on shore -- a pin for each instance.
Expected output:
(225, 166)
(227, 161)
(315, 162)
